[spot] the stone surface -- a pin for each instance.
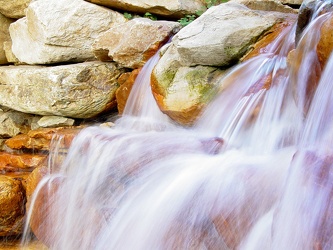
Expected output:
(171, 8)
(13, 123)
(267, 5)
(292, 2)
(325, 44)
(55, 121)
(126, 82)
(80, 90)
(182, 92)
(131, 44)
(53, 32)
(11, 58)
(221, 35)
(40, 139)
(12, 206)
(14, 9)
(4, 35)
(10, 162)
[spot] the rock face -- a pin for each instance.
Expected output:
(184, 81)
(14, 9)
(325, 44)
(171, 8)
(12, 206)
(60, 31)
(126, 82)
(131, 44)
(13, 123)
(221, 35)
(4, 35)
(182, 92)
(80, 90)
(267, 5)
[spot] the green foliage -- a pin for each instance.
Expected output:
(150, 16)
(128, 16)
(187, 19)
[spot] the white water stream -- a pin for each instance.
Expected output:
(149, 184)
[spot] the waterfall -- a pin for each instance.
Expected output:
(253, 173)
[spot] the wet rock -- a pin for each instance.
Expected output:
(182, 92)
(325, 44)
(80, 90)
(52, 31)
(131, 44)
(306, 12)
(126, 82)
(221, 35)
(40, 139)
(12, 201)
(14, 9)
(171, 8)
(4, 35)
(11, 162)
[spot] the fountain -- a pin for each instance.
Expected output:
(253, 173)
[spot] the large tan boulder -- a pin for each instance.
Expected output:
(131, 44)
(12, 206)
(80, 90)
(171, 8)
(10, 162)
(222, 34)
(14, 9)
(4, 35)
(60, 31)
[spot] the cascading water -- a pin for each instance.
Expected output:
(149, 184)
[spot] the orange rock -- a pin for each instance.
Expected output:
(10, 162)
(40, 139)
(126, 82)
(12, 201)
(260, 47)
(325, 44)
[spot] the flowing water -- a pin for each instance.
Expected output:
(253, 173)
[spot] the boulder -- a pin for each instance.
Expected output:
(267, 5)
(325, 44)
(80, 90)
(60, 31)
(14, 9)
(12, 201)
(4, 36)
(171, 8)
(131, 44)
(222, 35)
(182, 92)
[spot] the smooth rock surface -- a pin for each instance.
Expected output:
(80, 90)
(221, 35)
(170, 8)
(60, 31)
(131, 44)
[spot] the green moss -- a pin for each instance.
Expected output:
(200, 80)
(166, 79)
